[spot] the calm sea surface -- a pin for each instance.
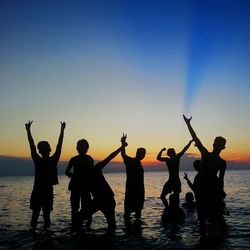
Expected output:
(151, 234)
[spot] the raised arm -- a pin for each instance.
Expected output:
(190, 184)
(60, 140)
(30, 138)
(104, 162)
(198, 143)
(185, 148)
(123, 141)
(159, 156)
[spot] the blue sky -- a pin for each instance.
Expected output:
(108, 67)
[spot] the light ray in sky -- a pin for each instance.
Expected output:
(212, 28)
(107, 67)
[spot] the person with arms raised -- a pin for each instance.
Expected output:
(209, 189)
(103, 195)
(173, 162)
(135, 191)
(45, 176)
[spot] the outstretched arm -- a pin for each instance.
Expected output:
(60, 140)
(159, 157)
(30, 138)
(185, 148)
(198, 143)
(104, 163)
(190, 184)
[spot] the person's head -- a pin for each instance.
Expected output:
(189, 197)
(82, 146)
(197, 165)
(171, 152)
(44, 148)
(219, 143)
(140, 153)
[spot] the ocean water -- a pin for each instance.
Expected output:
(15, 217)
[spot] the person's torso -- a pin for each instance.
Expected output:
(99, 185)
(211, 165)
(173, 167)
(135, 172)
(45, 171)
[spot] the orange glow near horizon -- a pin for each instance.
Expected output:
(147, 161)
(109, 77)
(235, 153)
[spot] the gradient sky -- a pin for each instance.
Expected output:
(108, 67)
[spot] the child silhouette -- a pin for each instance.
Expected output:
(45, 176)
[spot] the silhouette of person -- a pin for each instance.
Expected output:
(45, 176)
(79, 184)
(209, 189)
(103, 195)
(189, 203)
(173, 213)
(134, 192)
(173, 162)
(196, 165)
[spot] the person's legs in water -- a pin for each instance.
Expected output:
(138, 214)
(34, 218)
(35, 206)
(203, 229)
(164, 199)
(110, 217)
(47, 205)
(109, 213)
(88, 207)
(127, 214)
(74, 202)
(167, 189)
(46, 217)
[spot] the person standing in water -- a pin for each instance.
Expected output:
(209, 189)
(45, 176)
(173, 162)
(134, 193)
(103, 195)
(79, 170)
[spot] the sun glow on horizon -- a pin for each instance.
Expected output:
(125, 67)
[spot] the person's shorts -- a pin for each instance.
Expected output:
(103, 204)
(172, 186)
(42, 198)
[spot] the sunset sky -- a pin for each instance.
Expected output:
(107, 67)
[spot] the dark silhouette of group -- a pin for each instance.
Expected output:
(90, 191)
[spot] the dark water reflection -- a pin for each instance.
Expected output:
(152, 233)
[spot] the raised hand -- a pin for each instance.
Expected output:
(187, 120)
(63, 125)
(28, 125)
(163, 149)
(123, 140)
